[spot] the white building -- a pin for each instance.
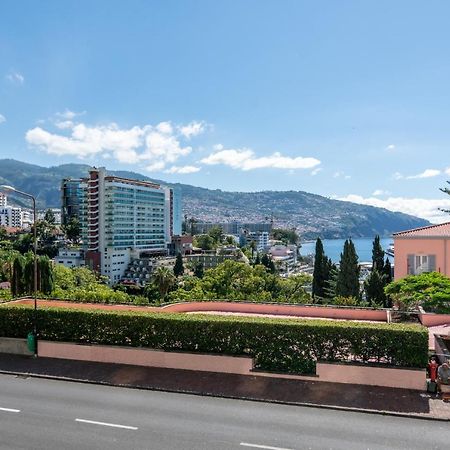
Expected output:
(27, 218)
(3, 200)
(11, 216)
(70, 257)
(122, 220)
(261, 239)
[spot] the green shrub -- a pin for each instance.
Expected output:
(279, 345)
(429, 290)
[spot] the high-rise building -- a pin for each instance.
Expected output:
(121, 219)
(11, 216)
(3, 200)
(72, 192)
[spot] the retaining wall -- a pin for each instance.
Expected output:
(379, 315)
(330, 372)
(14, 346)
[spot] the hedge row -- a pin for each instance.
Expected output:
(281, 345)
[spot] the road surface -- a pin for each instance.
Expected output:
(48, 414)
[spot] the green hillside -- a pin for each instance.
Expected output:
(312, 214)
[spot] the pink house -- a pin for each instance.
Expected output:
(425, 249)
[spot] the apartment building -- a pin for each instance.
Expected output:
(121, 219)
(10, 216)
(3, 200)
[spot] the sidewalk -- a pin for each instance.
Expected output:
(321, 394)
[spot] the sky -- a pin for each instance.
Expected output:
(347, 99)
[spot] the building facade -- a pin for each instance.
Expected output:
(121, 219)
(3, 200)
(425, 249)
(10, 216)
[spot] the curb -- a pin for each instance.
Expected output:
(233, 397)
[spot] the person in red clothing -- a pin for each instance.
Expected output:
(433, 369)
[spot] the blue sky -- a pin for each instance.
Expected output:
(348, 99)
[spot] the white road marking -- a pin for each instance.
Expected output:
(10, 410)
(266, 447)
(105, 424)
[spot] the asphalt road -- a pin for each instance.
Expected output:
(48, 414)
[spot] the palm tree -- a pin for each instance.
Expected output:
(164, 279)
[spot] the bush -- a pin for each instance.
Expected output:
(278, 345)
(429, 290)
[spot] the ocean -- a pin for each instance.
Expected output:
(334, 247)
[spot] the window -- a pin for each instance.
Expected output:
(418, 264)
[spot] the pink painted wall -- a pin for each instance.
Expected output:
(334, 373)
(146, 357)
(287, 310)
(432, 320)
(405, 246)
(373, 376)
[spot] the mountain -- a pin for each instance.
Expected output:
(311, 214)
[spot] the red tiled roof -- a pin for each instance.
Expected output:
(439, 230)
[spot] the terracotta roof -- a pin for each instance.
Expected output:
(439, 230)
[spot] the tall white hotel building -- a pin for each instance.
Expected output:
(121, 219)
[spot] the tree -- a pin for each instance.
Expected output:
(286, 236)
(257, 260)
(268, 263)
(72, 230)
(178, 268)
(17, 284)
(446, 191)
(429, 290)
(374, 289)
(387, 271)
(199, 269)
(49, 217)
(319, 275)
(45, 275)
(252, 246)
(164, 279)
(204, 241)
(377, 255)
(348, 278)
(216, 234)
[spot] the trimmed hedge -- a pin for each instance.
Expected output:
(279, 345)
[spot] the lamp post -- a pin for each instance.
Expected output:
(35, 286)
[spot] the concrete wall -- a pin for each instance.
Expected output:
(334, 373)
(372, 375)
(432, 320)
(14, 346)
(146, 357)
(288, 310)
(405, 246)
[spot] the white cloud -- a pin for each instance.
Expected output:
(67, 114)
(420, 207)
(390, 148)
(64, 124)
(447, 171)
(156, 167)
(2, 118)
(183, 169)
(192, 129)
(340, 174)
(380, 192)
(316, 171)
(15, 77)
(245, 159)
(157, 145)
(427, 173)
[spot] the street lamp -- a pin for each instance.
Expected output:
(7, 188)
